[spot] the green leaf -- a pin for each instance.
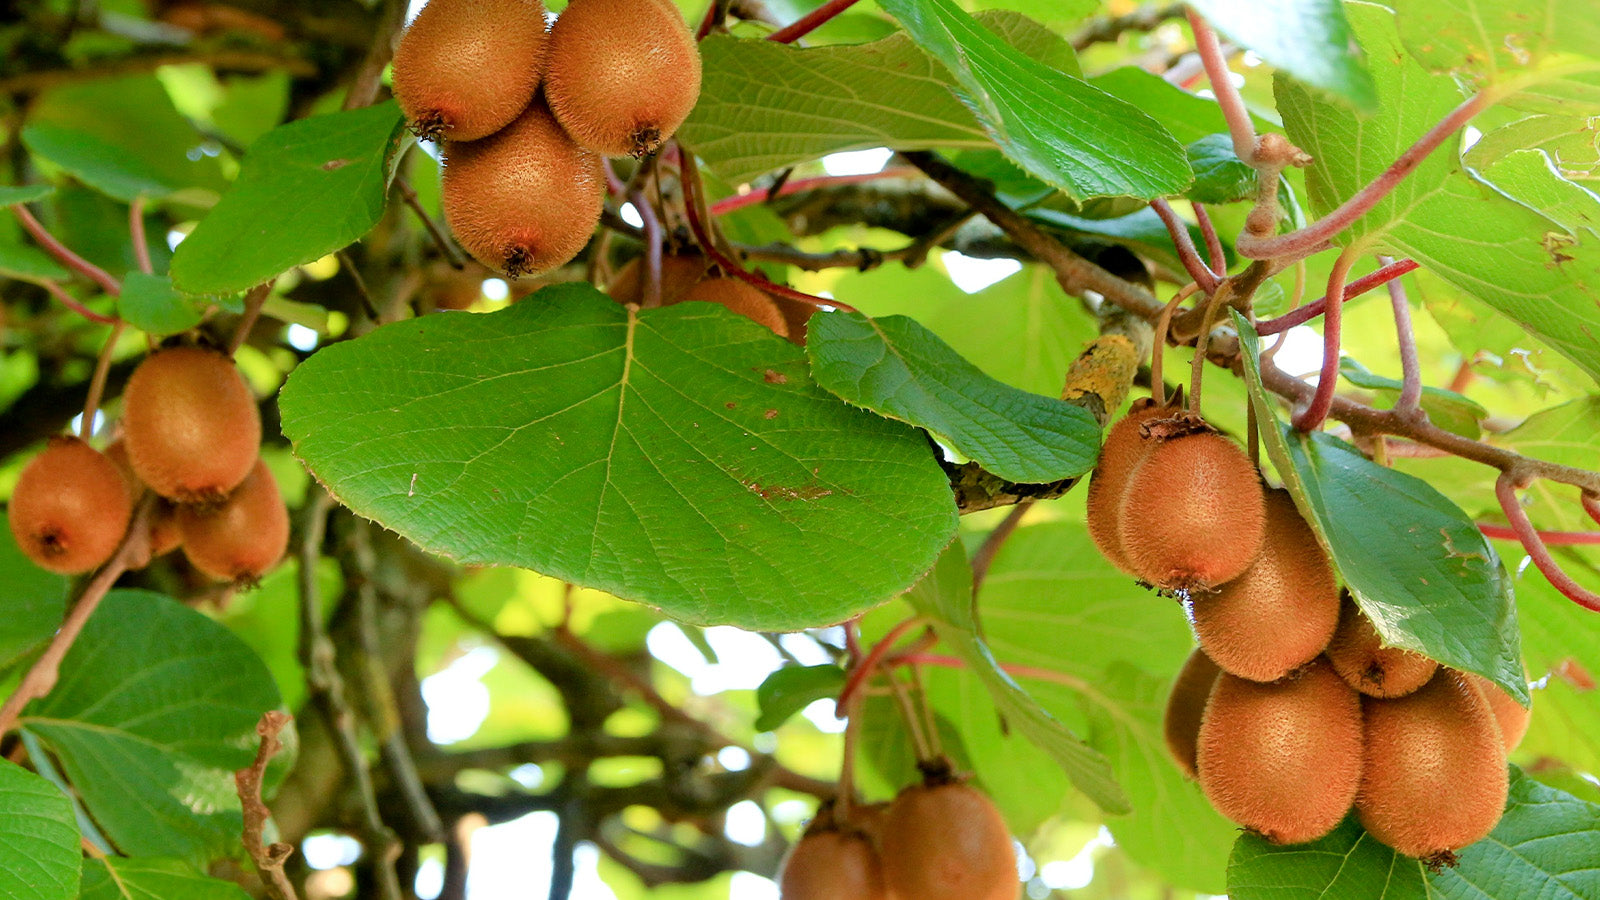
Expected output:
(1417, 564)
(1562, 647)
(149, 303)
(896, 368)
(1059, 128)
(1446, 409)
(1348, 862)
(34, 602)
(24, 193)
(306, 189)
(155, 709)
(39, 853)
(1543, 847)
(1570, 140)
(1187, 116)
(95, 161)
(680, 457)
(1219, 175)
(793, 688)
(945, 596)
(1309, 39)
(117, 878)
(1498, 39)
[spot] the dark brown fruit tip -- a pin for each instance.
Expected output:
(465, 69)
(1358, 655)
(244, 537)
(70, 507)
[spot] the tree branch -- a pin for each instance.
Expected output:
(269, 858)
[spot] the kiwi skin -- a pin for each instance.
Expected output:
(623, 74)
(678, 275)
(947, 842)
(742, 298)
(1186, 709)
(243, 538)
(1358, 655)
(1282, 611)
(465, 69)
(190, 424)
(832, 865)
(1282, 759)
(1511, 716)
(1192, 513)
(1435, 775)
(1123, 447)
(70, 508)
(525, 199)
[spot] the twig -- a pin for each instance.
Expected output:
(1505, 490)
(1591, 504)
(252, 311)
(714, 19)
(1105, 29)
(63, 253)
(269, 858)
(1208, 231)
(1304, 314)
(447, 249)
(1551, 538)
(1410, 400)
(72, 303)
(1233, 108)
(984, 556)
(141, 246)
(369, 78)
(860, 672)
(362, 294)
(43, 674)
(97, 383)
(1187, 254)
(1311, 418)
(810, 22)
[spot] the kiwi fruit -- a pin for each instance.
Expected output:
(465, 69)
(832, 865)
(1282, 611)
(1192, 512)
(1121, 450)
(70, 508)
(164, 535)
(1435, 775)
(1282, 759)
(526, 199)
(623, 74)
(1511, 716)
(678, 275)
(743, 298)
(1358, 655)
(190, 424)
(947, 841)
(1186, 708)
(244, 537)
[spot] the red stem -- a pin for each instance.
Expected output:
(864, 669)
(1354, 289)
(1300, 243)
(707, 21)
(809, 22)
(1409, 402)
(1505, 489)
(1332, 317)
(61, 252)
(1186, 252)
(1219, 260)
(141, 249)
(761, 195)
(1591, 505)
(1551, 538)
(1233, 108)
(72, 303)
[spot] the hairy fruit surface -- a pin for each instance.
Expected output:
(1511, 716)
(70, 507)
(947, 842)
(742, 298)
(832, 865)
(678, 275)
(1124, 446)
(190, 424)
(244, 537)
(466, 68)
(1186, 709)
(1358, 655)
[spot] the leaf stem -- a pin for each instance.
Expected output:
(1185, 246)
(1505, 489)
(141, 247)
(1306, 313)
(1240, 127)
(74, 304)
(1219, 259)
(1311, 418)
(1158, 347)
(97, 383)
(63, 253)
(860, 672)
(252, 311)
(1410, 400)
(810, 21)
(1551, 538)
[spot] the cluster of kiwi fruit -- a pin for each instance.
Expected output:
(1291, 711)
(526, 112)
(191, 434)
(941, 839)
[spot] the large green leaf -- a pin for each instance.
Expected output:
(1345, 863)
(25, 193)
(1475, 235)
(1309, 39)
(1498, 39)
(681, 457)
(156, 707)
(1061, 129)
(33, 603)
(95, 161)
(39, 854)
(306, 189)
(1545, 846)
(152, 879)
(945, 596)
(899, 369)
(1417, 564)
(1562, 646)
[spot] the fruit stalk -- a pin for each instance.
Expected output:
(1316, 410)
(1505, 489)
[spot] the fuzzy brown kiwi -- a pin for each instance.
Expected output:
(1192, 513)
(743, 298)
(1511, 716)
(1282, 759)
(1186, 709)
(1435, 771)
(1121, 450)
(678, 275)
(1282, 611)
(623, 74)
(525, 199)
(466, 68)
(1358, 655)
(947, 842)
(244, 537)
(832, 865)
(70, 507)
(190, 424)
